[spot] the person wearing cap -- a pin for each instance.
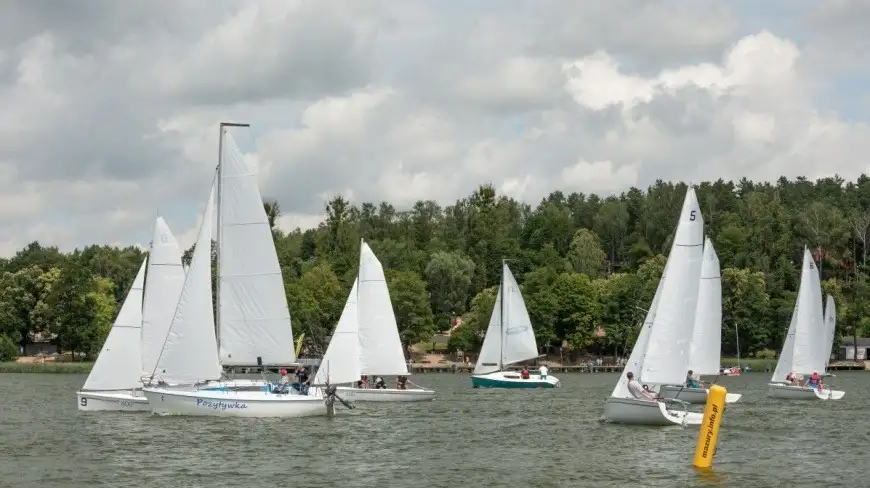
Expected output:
(285, 379)
(638, 391)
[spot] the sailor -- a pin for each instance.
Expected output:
(692, 382)
(543, 370)
(789, 378)
(815, 380)
(285, 379)
(401, 382)
(638, 391)
(380, 384)
(524, 374)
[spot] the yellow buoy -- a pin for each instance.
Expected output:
(709, 433)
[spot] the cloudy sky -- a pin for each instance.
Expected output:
(109, 109)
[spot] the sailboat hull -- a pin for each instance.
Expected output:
(501, 379)
(112, 401)
(385, 395)
(695, 396)
(217, 403)
(789, 392)
(632, 411)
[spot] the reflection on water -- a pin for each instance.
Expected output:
(465, 437)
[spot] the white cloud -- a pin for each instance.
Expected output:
(110, 111)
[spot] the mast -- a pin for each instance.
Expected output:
(220, 227)
(501, 321)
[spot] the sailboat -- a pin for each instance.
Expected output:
(251, 326)
(831, 324)
(135, 336)
(509, 339)
(806, 342)
(661, 353)
(113, 383)
(366, 340)
(706, 348)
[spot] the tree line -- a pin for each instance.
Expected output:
(588, 265)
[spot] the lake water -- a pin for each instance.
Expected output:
(465, 437)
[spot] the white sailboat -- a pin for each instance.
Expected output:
(509, 339)
(661, 353)
(150, 308)
(806, 342)
(366, 340)
(189, 357)
(831, 324)
(253, 320)
(706, 347)
(114, 381)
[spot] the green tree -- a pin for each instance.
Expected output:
(8, 349)
(448, 278)
(586, 255)
(71, 311)
(411, 307)
(746, 308)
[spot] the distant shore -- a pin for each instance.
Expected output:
(84, 367)
(50, 367)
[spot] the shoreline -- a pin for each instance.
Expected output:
(84, 367)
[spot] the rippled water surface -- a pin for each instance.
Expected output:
(465, 437)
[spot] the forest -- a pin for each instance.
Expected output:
(588, 266)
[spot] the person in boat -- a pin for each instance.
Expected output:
(638, 391)
(401, 382)
(815, 380)
(524, 374)
(790, 379)
(380, 384)
(543, 371)
(692, 381)
(363, 382)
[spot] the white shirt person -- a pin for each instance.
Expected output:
(637, 390)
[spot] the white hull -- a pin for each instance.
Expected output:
(789, 392)
(384, 395)
(643, 412)
(216, 403)
(112, 401)
(695, 396)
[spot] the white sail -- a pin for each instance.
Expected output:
(786, 356)
(119, 365)
(190, 353)
(635, 359)
(165, 277)
(380, 346)
(809, 330)
(519, 337)
(667, 355)
(510, 337)
(489, 359)
(831, 326)
(340, 363)
(253, 313)
(706, 348)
